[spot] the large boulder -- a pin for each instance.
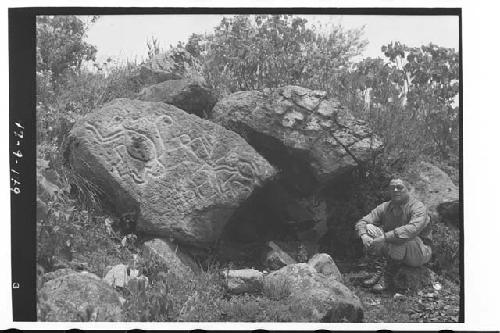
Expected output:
(170, 256)
(175, 64)
(78, 297)
(189, 95)
(298, 128)
(322, 298)
(179, 176)
(431, 185)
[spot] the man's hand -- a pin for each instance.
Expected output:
(372, 230)
(367, 240)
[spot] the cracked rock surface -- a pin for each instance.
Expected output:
(294, 127)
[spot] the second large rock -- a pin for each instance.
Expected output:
(298, 128)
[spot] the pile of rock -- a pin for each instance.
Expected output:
(316, 285)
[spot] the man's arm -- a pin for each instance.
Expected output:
(374, 217)
(418, 221)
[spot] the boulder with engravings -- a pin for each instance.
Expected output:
(78, 297)
(316, 297)
(189, 95)
(178, 175)
(310, 137)
(170, 256)
(240, 281)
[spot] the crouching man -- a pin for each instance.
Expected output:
(398, 231)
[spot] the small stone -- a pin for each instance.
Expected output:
(117, 276)
(276, 257)
(243, 280)
(398, 297)
(324, 264)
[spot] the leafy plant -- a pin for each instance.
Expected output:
(410, 99)
(266, 51)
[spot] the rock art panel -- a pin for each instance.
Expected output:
(292, 125)
(180, 175)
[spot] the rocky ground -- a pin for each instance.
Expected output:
(439, 303)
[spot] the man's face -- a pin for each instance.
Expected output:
(398, 190)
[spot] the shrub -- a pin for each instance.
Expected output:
(253, 52)
(445, 251)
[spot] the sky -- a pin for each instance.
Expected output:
(124, 37)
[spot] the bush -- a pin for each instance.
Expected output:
(71, 225)
(445, 251)
(253, 52)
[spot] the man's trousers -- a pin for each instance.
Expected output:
(412, 252)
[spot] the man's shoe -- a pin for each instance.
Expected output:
(374, 279)
(379, 286)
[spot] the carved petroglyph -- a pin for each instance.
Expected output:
(182, 174)
(133, 150)
(140, 150)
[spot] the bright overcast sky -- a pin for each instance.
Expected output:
(124, 37)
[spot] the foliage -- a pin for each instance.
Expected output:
(60, 44)
(409, 98)
(445, 251)
(69, 231)
(266, 51)
(66, 89)
(79, 95)
(427, 305)
(174, 298)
